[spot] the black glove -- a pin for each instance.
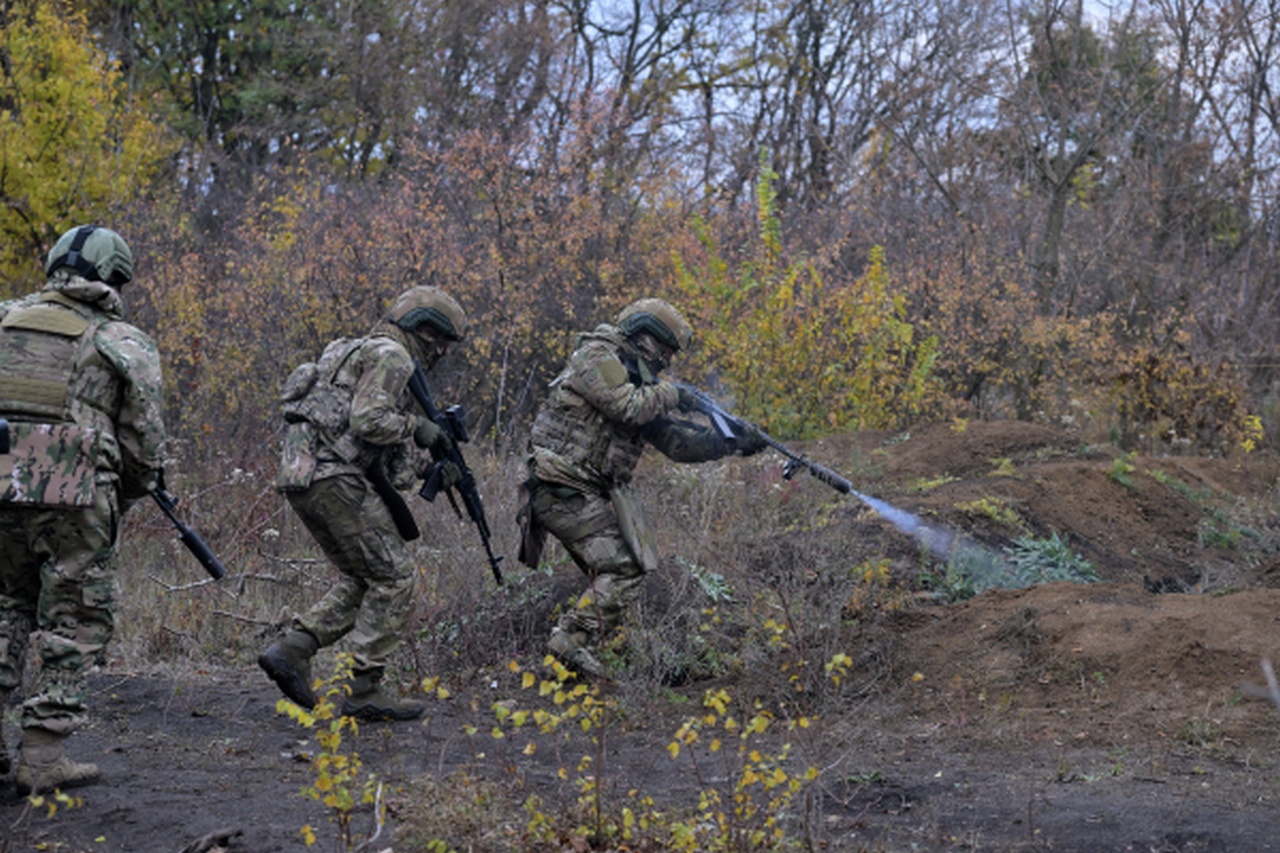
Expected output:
(750, 441)
(450, 475)
(427, 433)
(688, 400)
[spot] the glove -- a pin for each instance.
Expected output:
(427, 433)
(450, 475)
(751, 441)
(688, 400)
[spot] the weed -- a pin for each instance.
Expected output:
(1252, 433)
(1034, 561)
(713, 584)
(746, 815)
(926, 485)
(1198, 496)
(339, 783)
(992, 508)
(874, 591)
(1122, 469)
(439, 815)
(19, 830)
(1003, 467)
(952, 582)
(1200, 734)
(1029, 561)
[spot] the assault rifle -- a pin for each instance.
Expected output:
(453, 422)
(731, 427)
(168, 503)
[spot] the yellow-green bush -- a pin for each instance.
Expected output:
(800, 355)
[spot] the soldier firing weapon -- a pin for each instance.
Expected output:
(943, 543)
(731, 427)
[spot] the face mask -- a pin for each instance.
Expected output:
(430, 348)
(655, 354)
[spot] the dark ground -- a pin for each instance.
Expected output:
(1101, 717)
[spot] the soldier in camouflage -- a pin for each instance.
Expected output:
(80, 390)
(353, 439)
(603, 409)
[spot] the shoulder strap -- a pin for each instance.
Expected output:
(74, 259)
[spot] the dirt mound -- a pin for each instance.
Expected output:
(1098, 663)
(1162, 521)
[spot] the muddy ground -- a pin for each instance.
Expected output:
(1113, 716)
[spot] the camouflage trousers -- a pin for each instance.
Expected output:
(374, 593)
(57, 576)
(587, 526)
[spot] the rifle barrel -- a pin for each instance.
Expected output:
(188, 537)
(729, 425)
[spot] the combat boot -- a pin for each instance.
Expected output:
(288, 662)
(42, 766)
(571, 649)
(368, 701)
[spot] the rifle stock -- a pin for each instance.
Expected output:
(187, 536)
(453, 422)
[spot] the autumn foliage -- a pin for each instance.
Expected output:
(865, 281)
(75, 143)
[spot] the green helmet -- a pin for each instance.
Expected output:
(93, 252)
(432, 307)
(659, 319)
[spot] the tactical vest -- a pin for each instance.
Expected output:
(573, 438)
(60, 397)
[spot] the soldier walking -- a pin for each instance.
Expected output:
(352, 442)
(587, 437)
(81, 434)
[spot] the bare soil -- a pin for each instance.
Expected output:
(1112, 716)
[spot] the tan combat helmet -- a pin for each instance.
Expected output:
(94, 253)
(659, 319)
(432, 307)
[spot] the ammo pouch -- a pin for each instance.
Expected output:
(297, 457)
(635, 527)
(50, 465)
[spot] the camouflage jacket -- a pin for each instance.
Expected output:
(604, 407)
(81, 387)
(360, 407)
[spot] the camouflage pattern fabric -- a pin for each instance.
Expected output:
(603, 410)
(371, 600)
(357, 400)
(108, 378)
(588, 528)
(57, 575)
(50, 465)
(81, 390)
(358, 411)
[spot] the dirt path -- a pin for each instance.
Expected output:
(1060, 768)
